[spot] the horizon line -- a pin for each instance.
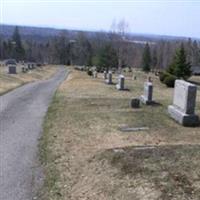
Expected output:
(95, 30)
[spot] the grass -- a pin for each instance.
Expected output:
(47, 157)
(86, 156)
(172, 171)
(9, 82)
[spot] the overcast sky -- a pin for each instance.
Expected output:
(179, 18)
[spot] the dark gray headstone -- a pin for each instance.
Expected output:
(12, 69)
(135, 103)
(29, 66)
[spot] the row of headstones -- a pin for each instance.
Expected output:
(29, 66)
(148, 89)
(12, 69)
(184, 100)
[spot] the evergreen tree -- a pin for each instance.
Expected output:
(154, 58)
(196, 53)
(83, 50)
(180, 67)
(146, 58)
(18, 51)
(107, 57)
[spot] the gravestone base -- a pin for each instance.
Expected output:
(119, 88)
(109, 82)
(144, 100)
(182, 118)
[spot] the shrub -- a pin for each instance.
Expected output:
(163, 75)
(89, 72)
(169, 80)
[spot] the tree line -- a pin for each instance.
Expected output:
(114, 49)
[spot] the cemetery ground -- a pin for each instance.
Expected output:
(86, 156)
(12, 81)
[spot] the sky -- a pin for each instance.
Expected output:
(163, 17)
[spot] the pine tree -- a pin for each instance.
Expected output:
(107, 57)
(18, 51)
(180, 67)
(154, 58)
(146, 58)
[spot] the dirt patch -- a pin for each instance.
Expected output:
(172, 172)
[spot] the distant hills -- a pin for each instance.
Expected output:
(42, 33)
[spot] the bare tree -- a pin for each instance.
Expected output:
(120, 43)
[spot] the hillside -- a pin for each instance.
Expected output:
(45, 32)
(54, 46)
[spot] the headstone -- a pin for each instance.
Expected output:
(183, 108)
(29, 66)
(135, 103)
(109, 80)
(12, 69)
(146, 98)
(23, 69)
(121, 81)
(95, 74)
(105, 75)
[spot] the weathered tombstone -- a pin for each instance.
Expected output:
(95, 74)
(135, 103)
(183, 108)
(23, 69)
(29, 66)
(146, 98)
(12, 69)
(105, 75)
(109, 80)
(121, 81)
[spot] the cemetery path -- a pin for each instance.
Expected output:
(21, 115)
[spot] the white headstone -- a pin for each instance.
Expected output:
(148, 93)
(105, 75)
(95, 74)
(183, 108)
(121, 82)
(109, 80)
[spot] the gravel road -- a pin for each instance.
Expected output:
(21, 116)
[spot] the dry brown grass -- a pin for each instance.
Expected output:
(10, 81)
(87, 157)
